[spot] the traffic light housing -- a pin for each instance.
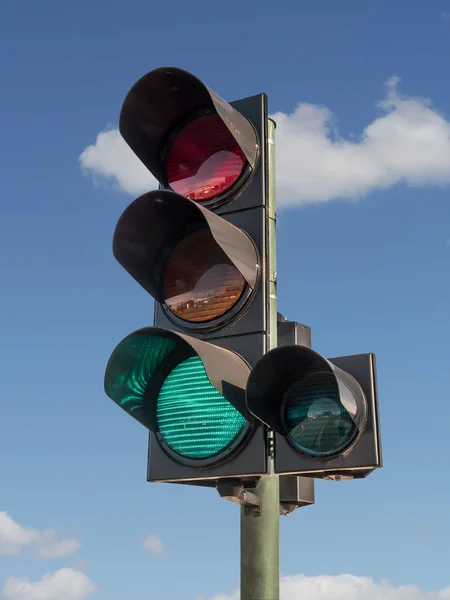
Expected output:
(200, 246)
(206, 380)
(324, 411)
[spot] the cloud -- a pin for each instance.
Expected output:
(50, 546)
(110, 159)
(47, 543)
(346, 587)
(408, 143)
(65, 584)
(154, 544)
(14, 537)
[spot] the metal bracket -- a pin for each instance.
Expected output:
(291, 333)
(295, 491)
(236, 493)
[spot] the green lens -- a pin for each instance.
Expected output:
(193, 418)
(316, 421)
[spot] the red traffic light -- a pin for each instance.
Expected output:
(190, 139)
(204, 161)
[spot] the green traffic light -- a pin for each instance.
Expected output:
(316, 421)
(193, 418)
(162, 383)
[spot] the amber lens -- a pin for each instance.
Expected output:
(199, 281)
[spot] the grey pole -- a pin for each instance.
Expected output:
(260, 535)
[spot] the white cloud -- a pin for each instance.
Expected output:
(65, 584)
(111, 159)
(154, 544)
(408, 143)
(50, 546)
(346, 587)
(14, 537)
(47, 544)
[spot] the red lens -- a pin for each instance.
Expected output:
(204, 159)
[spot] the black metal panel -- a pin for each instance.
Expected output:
(250, 463)
(251, 346)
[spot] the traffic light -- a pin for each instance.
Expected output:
(324, 411)
(201, 247)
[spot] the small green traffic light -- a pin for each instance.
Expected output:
(159, 379)
(316, 421)
(322, 411)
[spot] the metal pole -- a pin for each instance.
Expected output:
(260, 535)
(260, 545)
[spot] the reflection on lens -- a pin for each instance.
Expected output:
(315, 420)
(199, 282)
(204, 160)
(131, 368)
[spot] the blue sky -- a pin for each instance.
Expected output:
(363, 258)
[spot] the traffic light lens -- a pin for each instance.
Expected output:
(199, 282)
(193, 417)
(316, 421)
(204, 160)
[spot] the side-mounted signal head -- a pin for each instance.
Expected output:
(199, 267)
(324, 412)
(319, 408)
(189, 393)
(189, 138)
